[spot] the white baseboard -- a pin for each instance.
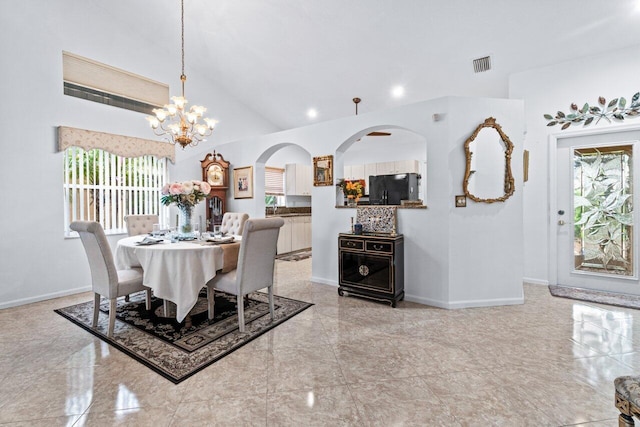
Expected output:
(442, 304)
(324, 281)
(533, 281)
(451, 305)
(44, 297)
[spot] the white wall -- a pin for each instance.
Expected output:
(37, 261)
(454, 257)
(547, 90)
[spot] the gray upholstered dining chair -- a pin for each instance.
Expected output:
(233, 222)
(106, 280)
(255, 265)
(140, 224)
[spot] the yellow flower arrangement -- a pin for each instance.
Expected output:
(352, 189)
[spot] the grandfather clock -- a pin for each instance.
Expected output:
(215, 171)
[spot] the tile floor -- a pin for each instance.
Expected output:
(345, 361)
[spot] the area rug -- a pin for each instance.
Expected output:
(600, 297)
(178, 350)
(297, 256)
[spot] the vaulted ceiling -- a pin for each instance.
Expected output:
(283, 57)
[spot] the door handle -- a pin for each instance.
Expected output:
(561, 222)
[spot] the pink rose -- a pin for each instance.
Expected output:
(165, 190)
(175, 188)
(205, 187)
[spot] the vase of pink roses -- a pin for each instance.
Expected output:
(186, 195)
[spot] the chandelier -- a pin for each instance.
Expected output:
(174, 122)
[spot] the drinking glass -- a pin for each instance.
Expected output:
(216, 231)
(196, 230)
(156, 230)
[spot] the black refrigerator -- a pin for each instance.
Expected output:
(391, 189)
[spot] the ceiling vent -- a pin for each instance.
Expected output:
(480, 65)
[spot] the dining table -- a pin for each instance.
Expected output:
(176, 271)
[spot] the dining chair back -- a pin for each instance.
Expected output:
(233, 222)
(255, 268)
(140, 224)
(106, 280)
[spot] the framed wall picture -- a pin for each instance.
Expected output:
(322, 171)
(243, 182)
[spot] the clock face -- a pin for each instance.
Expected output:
(215, 175)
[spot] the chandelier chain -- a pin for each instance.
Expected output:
(183, 76)
(174, 121)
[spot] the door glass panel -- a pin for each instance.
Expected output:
(603, 210)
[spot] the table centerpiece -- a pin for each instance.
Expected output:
(186, 195)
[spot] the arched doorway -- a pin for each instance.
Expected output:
(380, 150)
(286, 172)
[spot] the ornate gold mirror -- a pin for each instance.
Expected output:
(488, 176)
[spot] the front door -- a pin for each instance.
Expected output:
(595, 220)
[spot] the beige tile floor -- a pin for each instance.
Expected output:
(345, 361)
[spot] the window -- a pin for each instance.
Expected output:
(94, 81)
(603, 209)
(273, 186)
(104, 187)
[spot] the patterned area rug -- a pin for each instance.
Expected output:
(601, 297)
(297, 256)
(179, 350)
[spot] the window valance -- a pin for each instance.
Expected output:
(125, 146)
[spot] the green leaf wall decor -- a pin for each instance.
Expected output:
(616, 110)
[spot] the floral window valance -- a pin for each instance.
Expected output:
(125, 146)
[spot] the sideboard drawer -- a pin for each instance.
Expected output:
(376, 246)
(352, 244)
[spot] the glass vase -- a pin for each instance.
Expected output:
(351, 202)
(185, 225)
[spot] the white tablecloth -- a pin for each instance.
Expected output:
(175, 271)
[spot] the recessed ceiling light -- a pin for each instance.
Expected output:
(397, 91)
(312, 113)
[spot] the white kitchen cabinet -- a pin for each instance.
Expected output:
(385, 168)
(407, 166)
(347, 172)
(369, 170)
(298, 179)
(295, 234)
(398, 166)
(307, 231)
(352, 172)
(357, 171)
(284, 238)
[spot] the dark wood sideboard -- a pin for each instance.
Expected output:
(371, 266)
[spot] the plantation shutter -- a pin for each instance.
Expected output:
(274, 181)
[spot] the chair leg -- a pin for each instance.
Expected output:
(271, 308)
(240, 303)
(210, 302)
(112, 316)
(625, 421)
(96, 309)
(148, 302)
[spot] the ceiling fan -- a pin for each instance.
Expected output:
(357, 101)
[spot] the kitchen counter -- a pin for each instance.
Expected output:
(287, 215)
(397, 206)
